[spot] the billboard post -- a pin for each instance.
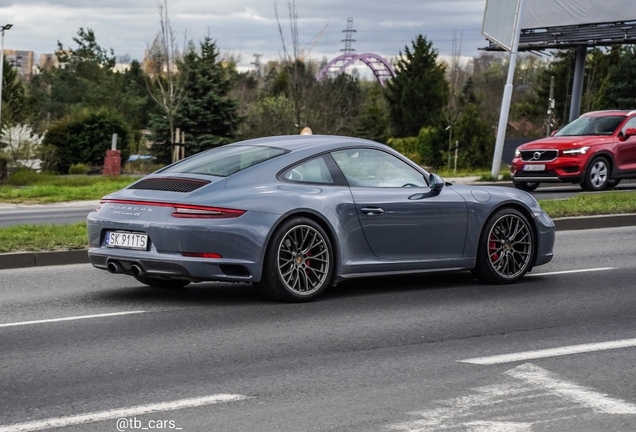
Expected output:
(507, 96)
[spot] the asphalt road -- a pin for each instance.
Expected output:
(371, 355)
(58, 214)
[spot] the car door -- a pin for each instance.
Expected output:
(401, 217)
(626, 150)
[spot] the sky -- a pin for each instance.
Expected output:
(245, 27)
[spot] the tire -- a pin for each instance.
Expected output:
(597, 176)
(162, 283)
(526, 186)
(298, 262)
(506, 248)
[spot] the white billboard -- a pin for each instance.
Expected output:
(499, 15)
(553, 13)
(499, 22)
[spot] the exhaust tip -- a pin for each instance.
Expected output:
(136, 270)
(115, 267)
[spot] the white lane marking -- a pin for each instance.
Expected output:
(539, 377)
(551, 352)
(527, 397)
(570, 271)
(59, 422)
(70, 318)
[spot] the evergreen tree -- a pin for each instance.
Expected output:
(373, 122)
(18, 107)
(208, 115)
(86, 80)
(475, 138)
(417, 94)
(620, 89)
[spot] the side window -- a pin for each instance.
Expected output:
(631, 123)
(311, 171)
(375, 168)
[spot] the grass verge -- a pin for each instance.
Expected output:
(43, 237)
(591, 204)
(61, 189)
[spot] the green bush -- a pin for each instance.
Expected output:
(84, 138)
(141, 166)
(24, 177)
(79, 168)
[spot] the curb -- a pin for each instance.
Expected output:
(39, 259)
(593, 222)
(16, 260)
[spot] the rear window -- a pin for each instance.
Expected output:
(605, 125)
(225, 161)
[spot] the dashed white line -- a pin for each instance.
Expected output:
(551, 352)
(52, 320)
(120, 413)
(570, 271)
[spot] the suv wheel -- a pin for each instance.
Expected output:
(597, 175)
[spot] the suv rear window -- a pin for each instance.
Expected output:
(225, 161)
(605, 125)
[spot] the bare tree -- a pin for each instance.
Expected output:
(301, 77)
(452, 110)
(168, 86)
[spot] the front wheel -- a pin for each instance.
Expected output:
(597, 175)
(506, 248)
(526, 186)
(298, 262)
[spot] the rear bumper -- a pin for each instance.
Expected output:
(173, 245)
(195, 270)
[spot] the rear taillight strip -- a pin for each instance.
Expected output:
(184, 210)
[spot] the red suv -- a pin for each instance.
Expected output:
(596, 150)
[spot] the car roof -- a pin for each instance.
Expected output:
(609, 112)
(297, 142)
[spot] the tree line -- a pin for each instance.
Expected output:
(66, 115)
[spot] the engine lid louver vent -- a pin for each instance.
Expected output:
(169, 184)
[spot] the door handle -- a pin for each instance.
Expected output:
(371, 211)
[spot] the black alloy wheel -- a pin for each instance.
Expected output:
(506, 248)
(298, 262)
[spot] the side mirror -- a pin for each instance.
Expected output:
(435, 182)
(630, 132)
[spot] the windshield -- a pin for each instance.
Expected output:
(225, 161)
(591, 126)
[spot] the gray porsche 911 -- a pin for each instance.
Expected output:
(296, 214)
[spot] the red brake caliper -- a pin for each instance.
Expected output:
(492, 247)
(308, 262)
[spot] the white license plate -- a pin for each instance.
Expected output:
(126, 240)
(534, 167)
